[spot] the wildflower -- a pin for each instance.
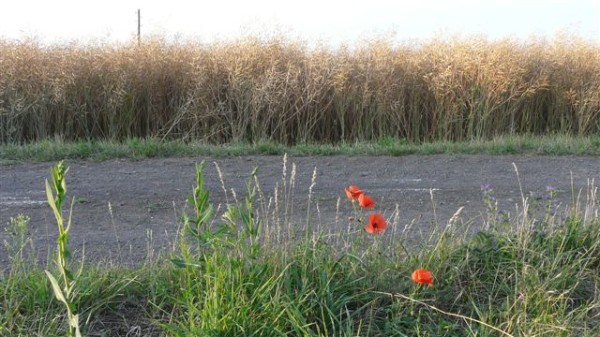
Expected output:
(423, 276)
(376, 225)
(366, 201)
(353, 192)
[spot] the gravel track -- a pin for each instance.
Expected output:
(125, 211)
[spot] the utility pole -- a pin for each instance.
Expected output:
(139, 26)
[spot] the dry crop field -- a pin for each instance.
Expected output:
(284, 91)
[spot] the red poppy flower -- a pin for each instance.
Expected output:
(423, 276)
(376, 224)
(353, 192)
(366, 201)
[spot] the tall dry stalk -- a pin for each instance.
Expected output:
(280, 89)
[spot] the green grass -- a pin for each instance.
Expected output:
(152, 148)
(533, 273)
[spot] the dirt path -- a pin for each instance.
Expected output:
(146, 197)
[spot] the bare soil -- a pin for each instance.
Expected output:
(128, 211)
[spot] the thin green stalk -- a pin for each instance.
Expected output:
(65, 293)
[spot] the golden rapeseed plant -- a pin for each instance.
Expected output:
(284, 90)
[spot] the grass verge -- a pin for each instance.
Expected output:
(152, 148)
(532, 273)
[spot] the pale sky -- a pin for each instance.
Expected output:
(332, 21)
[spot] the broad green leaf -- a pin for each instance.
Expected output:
(56, 288)
(246, 219)
(70, 215)
(205, 216)
(52, 201)
(193, 231)
(202, 200)
(180, 263)
(69, 275)
(74, 323)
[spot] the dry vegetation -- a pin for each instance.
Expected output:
(281, 90)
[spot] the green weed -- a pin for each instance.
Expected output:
(56, 193)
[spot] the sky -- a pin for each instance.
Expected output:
(331, 21)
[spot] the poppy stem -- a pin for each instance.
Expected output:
(375, 244)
